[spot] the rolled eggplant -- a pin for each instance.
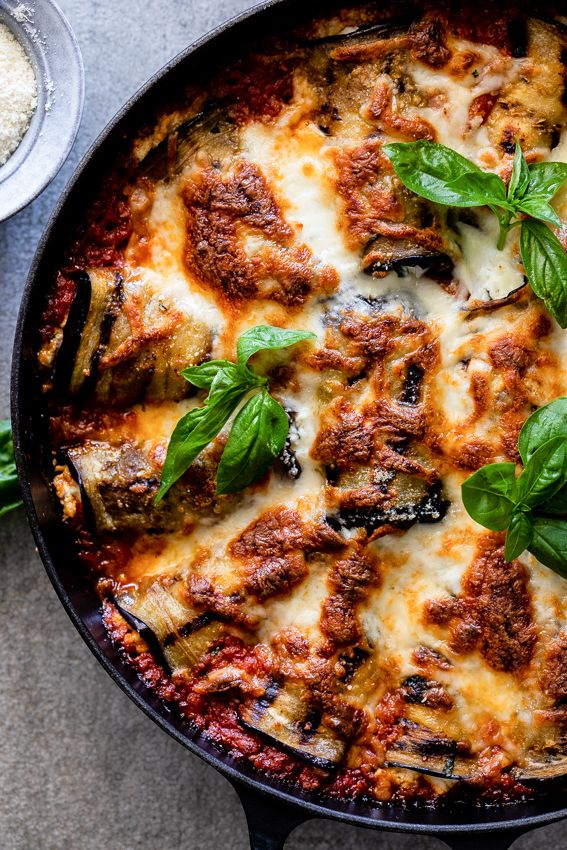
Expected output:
(396, 25)
(385, 254)
(530, 107)
(86, 334)
(125, 343)
(418, 748)
(183, 634)
(118, 485)
(208, 129)
(546, 758)
(284, 716)
(542, 767)
(401, 500)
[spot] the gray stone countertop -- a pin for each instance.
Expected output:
(81, 768)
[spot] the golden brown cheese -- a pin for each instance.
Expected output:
(343, 624)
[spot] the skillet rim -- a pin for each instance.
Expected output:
(387, 817)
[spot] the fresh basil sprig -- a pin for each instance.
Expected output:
(257, 436)
(9, 487)
(545, 263)
(445, 177)
(533, 507)
(260, 428)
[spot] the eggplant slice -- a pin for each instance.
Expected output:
(407, 500)
(287, 462)
(124, 343)
(552, 765)
(547, 757)
(396, 25)
(420, 749)
(284, 716)
(432, 507)
(530, 107)
(96, 304)
(209, 130)
(183, 634)
(385, 254)
(396, 303)
(145, 633)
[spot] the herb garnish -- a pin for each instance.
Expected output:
(445, 177)
(260, 428)
(532, 507)
(9, 487)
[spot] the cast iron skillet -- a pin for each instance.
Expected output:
(272, 809)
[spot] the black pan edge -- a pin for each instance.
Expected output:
(82, 607)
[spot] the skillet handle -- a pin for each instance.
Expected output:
(269, 821)
(486, 840)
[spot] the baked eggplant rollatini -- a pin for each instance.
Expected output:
(275, 520)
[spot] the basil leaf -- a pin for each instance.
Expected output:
(480, 189)
(545, 262)
(546, 178)
(538, 208)
(203, 375)
(197, 428)
(487, 495)
(430, 170)
(265, 337)
(9, 485)
(519, 535)
(257, 437)
(549, 544)
(556, 505)
(544, 424)
(544, 474)
(520, 177)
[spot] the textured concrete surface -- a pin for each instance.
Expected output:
(81, 768)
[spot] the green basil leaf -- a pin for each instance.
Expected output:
(487, 495)
(556, 505)
(9, 485)
(257, 437)
(196, 429)
(519, 535)
(545, 262)
(203, 375)
(549, 543)
(546, 178)
(544, 424)
(480, 189)
(430, 170)
(538, 208)
(544, 474)
(520, 177)
(265, 337)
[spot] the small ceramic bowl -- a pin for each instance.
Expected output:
(45, 34)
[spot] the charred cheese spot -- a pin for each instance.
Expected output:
(493, 614)
(239, 243)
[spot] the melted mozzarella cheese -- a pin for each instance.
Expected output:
(426, 561)
(488, 273)
(451, 98)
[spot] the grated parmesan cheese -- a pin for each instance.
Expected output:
(18, 93)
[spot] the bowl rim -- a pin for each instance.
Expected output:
(30, 35)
